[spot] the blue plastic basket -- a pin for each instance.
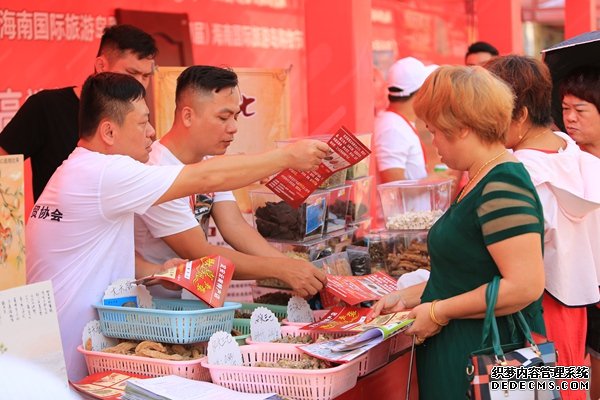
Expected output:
(171, 321)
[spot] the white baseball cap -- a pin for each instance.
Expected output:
(406, 76)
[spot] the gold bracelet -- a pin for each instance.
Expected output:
(432, 314)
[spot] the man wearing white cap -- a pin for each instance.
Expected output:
(398, 149)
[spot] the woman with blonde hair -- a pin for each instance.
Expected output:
(564, 177)
(493, 228)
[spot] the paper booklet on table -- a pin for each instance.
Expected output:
(207, 278)
(348, 348)
(295, 186)
(174, 387)
(356, 289)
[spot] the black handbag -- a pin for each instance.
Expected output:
(512, 371)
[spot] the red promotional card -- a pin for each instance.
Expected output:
(207, 278)
(295, 186)
(340, 319)
(356, 289)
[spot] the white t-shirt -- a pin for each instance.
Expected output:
(80, 234)
(570, 196)
(396, 145)
(169, 218)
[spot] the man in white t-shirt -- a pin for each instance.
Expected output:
(80, 231)
(398, 149)
(205, 123)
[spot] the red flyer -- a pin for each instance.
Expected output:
(356, 289)
(107, 385)
(340, 319)
(295, 186)
(207, 278)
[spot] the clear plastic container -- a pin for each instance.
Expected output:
(275, 219)
(361, 168)
(337, 208)
(335, 264)
(318, 248)
(414, 205)
(360, 198)
(405, 251)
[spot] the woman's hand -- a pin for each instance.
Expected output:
(390, 303)
(423, 327)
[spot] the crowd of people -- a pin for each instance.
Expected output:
(127, 205)
(530, 215)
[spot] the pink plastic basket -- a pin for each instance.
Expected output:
(98, 361)
(375, 358)
(399, 342)
(321, 384)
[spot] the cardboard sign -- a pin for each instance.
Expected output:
(298, 310)
(92, 338)
(223, 350)
(264, 325)
(125, 293)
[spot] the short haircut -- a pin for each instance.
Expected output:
(531, 83)
(584, 83)
(454, 98)
(204, 79)
(482, 47)
(107, 95)
(119, 39)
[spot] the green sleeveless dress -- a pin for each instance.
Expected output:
(502, 205)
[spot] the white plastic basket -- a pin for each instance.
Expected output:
(172, 321)
(98, 361)
(320, 384)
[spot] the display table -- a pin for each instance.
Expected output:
(388, 382)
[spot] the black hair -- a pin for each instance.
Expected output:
(106, 95)
(584, 83)
(124, 38)
(205, 79)
(482, 47)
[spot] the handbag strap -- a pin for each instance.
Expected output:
(490, 325)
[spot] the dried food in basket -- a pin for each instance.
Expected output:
(147, 348)
(305, 362)
(303, 339)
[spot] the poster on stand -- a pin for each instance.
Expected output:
(12, 222)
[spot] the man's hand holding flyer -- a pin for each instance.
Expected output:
(295, 186)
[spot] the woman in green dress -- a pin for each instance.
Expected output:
(494, 227)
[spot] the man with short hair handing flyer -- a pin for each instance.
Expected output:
(80, 231)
